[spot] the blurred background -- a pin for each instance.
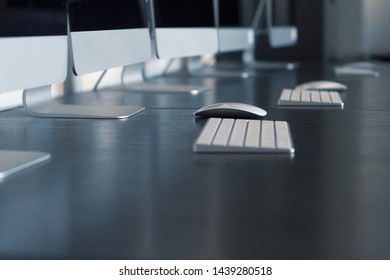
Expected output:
(329, 30)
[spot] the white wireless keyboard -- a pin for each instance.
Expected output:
(309, 98)
(244, 136)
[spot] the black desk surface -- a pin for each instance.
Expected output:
(133, 189)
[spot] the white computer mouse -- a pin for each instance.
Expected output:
(322, 85)
(231, 110)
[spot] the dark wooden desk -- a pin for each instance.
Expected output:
(133, 189)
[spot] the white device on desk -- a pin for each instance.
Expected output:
(322, 85)
(244, 136)
(12, 162)
(231, 110)
(298, 97)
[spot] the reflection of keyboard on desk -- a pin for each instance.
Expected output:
(310, 98)
(244, 136)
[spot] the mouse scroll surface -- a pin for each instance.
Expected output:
(231, 110)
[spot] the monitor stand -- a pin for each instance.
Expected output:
(39, 102)
(197, 68)
(134, 78)
(10, 100)
(12, 162)
(280, 38)
(251, 62)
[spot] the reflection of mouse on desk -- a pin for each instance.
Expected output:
(322, 85)
(231, 110)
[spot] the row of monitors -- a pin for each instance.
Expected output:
(106, 34)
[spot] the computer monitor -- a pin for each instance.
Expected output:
(33, 53)
(107, 34)
(33, 43)
(102, 35)
(275, 34)
(235, 32)
(279, 16)
(183, 28)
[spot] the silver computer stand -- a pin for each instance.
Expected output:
(15, 161)
(196, 68)
(249, 54)
(135, 79)
(39, 102)
(12, 162)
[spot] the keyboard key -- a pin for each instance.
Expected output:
(238, 134)
(305, 96)
(283, 140)
(315, 96)
(286, 94)
(267, 135)
(208, 133)
(335, 96)
(223, 134)
(252, 139)
(295, 95)
(325, 97)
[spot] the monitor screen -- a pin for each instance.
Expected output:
(32, 18)
(107, 34)
(33, 43)
(278, 20)
(234, 28)
(184, 28)
(183, 14)
(89, 15)
(231, 13)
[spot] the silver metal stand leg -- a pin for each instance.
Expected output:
(167, 67)
(150, 86)
(39, 102)
(196, 69)
(95, 88)
(12, 162)
(249, 54)
(270, 65)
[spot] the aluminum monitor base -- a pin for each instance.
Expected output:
(273, 65)
(12, 162)
(144, 83)
(139, 82)
(215, 73)
(173, 88)
(39, 102)
(194, 67)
